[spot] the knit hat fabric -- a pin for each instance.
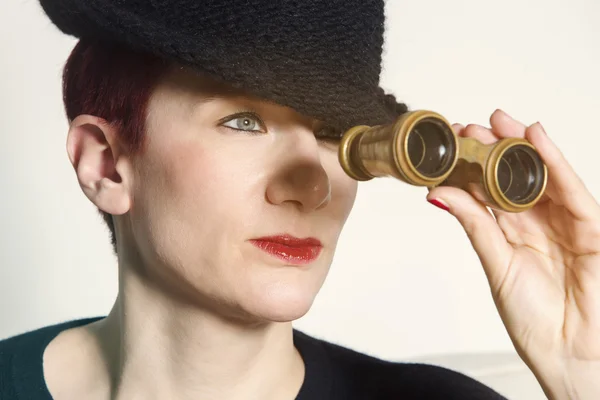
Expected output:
(319, 57)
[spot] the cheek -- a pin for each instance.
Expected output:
(346, 189)
(185, 190)
(205, 192)
(202, 186)
(343, 188)
(194, 211)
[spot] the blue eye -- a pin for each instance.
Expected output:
(245, 122)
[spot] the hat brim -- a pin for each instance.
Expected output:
(268, 77)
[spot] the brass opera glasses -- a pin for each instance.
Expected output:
(421, 149)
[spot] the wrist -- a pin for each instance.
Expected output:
(569, 379)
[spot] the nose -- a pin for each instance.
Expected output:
(301, 180)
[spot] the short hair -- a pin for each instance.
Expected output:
(114, 83)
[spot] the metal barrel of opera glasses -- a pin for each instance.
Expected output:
(421, 149)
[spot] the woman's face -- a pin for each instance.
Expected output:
(222, 170)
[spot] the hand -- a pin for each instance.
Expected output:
(543, 266)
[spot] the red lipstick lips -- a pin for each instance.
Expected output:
(289, 248)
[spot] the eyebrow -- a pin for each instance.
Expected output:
(211, 93)
(200, 100)
(210, 90)
(203, 98)
(207, 88)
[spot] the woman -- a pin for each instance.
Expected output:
(211, 152)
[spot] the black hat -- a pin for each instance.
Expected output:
(320, 57)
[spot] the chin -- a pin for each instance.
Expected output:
(282, 303)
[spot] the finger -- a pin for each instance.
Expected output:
(485, 235)
(481, 133)
(458, 128)
(503, 125)
(568, 186)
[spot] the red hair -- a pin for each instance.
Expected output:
(113, 83)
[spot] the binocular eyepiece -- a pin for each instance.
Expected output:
(421, 149)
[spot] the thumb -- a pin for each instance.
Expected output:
(481, 228)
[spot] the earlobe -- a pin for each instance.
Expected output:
(91, 147)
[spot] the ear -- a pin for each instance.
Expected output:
(103, 173)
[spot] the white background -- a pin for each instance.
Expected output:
(405, 281)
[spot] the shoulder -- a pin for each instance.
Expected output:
(21, 357)
(16, 342)
(377, 378)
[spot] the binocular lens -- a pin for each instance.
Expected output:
(520, 174)
(431, 147)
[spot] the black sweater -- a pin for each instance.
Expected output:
(332, 372)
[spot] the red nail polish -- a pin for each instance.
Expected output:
(440, 204)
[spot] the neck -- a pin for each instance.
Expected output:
(158, 348)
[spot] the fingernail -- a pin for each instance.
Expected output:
(505, 114)
(539, 124)
(440, 204)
